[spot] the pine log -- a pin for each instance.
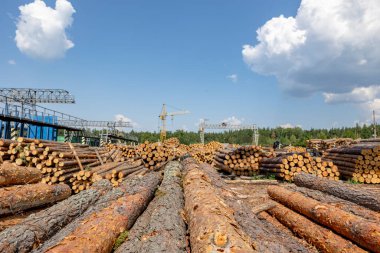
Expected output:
(39, 227)
(161, 227)
(210, 231)
(130, 186)
(109, 222)
(23, 197)
(355, 228)
(340, 190)
(11, 174)
(322, 238)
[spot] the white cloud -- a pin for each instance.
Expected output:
(289, 125)
(329, 46)
(41, 30)
(233, 121)
(357, 95)
(11, 62)
(123, 118)
(233, 78)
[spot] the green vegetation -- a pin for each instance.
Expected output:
(293, 136)
(120, 240)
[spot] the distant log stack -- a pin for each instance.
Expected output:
(324, 144)
(127, 152)
(204, 153)
(287, 166)
(360, 162)
(242, 161)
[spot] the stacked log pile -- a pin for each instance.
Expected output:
(327, 227)
(324, 144)
(204, 153)
(127, 153)
(294, 149)
(360, 162)
(242, 161)
(287, 166)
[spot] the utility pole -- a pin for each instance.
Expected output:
(374, 124)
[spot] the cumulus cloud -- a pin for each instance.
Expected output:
(41, 30)
(123, 118)
(233, 121)
(233, 78)
(11, 62)
(357, 95)
(329, 46)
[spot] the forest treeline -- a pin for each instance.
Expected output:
(287, 136)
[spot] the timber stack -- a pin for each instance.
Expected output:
(128, 153)
(324, 144)
(242, 161)
(360, 163)
(288, 165)
(204, 153)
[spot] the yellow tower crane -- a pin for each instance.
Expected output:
(163, 116)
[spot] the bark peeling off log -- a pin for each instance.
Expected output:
(322, 238)
(130, 185)
(23, 197)
(355, 228)
(161, 227)
(345, 205)
(340, 190)
(40, 226)
(211, 222)
(98, 232)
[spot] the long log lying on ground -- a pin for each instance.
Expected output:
(340, 190)
(355, 228)
(17, 218)
(161, 227)
(345, 205)
(38, 227)
(130, 186)
(110, 221)
(11, 174)
(23, 197)
(322, 238)
(211, 222)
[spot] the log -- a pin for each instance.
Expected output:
(109, 222)
(340, 190)
(38, 227)
(23, 197)
(355, 228)
(11, 174)
(128, 187)
(323, 239)
(210, 231)
(161, 227)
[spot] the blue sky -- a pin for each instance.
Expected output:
(129, 57)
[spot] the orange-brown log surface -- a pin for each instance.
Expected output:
(23, 197)
(323, 239)
(355, 228)
(211, 222)
(12, 174)
(99, 231)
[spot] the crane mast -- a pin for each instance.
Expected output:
(164, 114)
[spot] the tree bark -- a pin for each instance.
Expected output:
(323, 239)
(23, 197)
(340, 190)
(38, 227)
(355, 228)
(211, 222)
(11, 174)
(129, 186)
(161, 227)
(109, 222)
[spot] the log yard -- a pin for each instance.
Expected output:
(189, 126)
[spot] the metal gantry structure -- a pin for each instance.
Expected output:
(163, 115)
(226, 126)
(36, 96)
